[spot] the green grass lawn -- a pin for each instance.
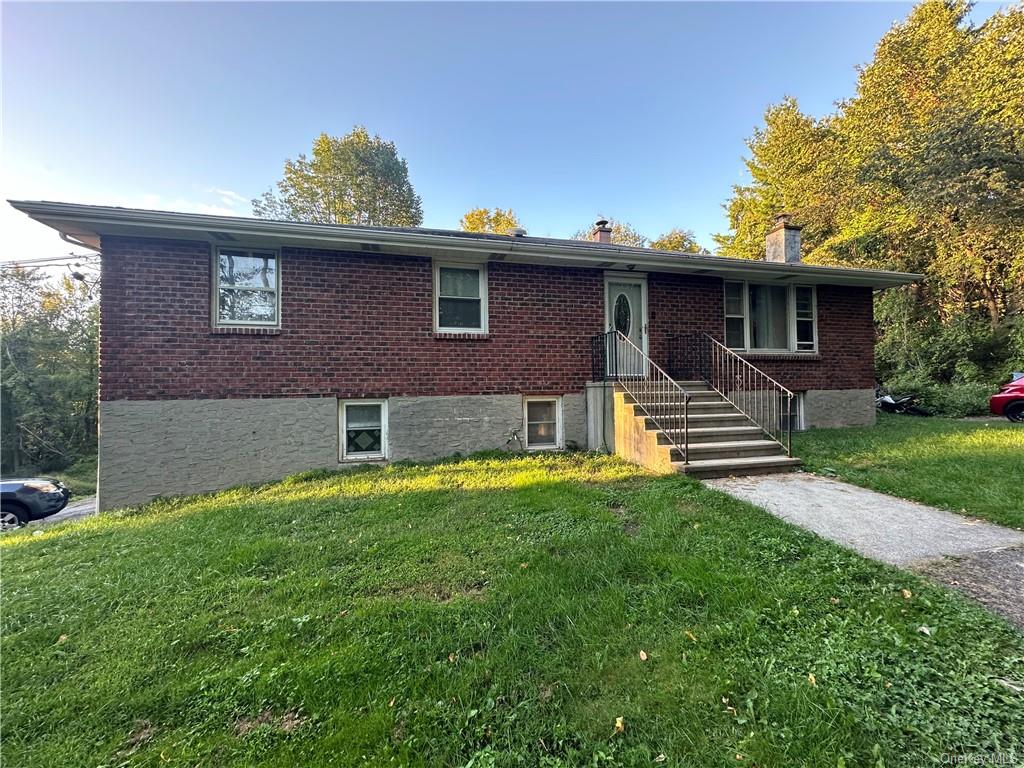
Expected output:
(972, 467)
(490, 611)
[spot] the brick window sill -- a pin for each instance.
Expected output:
(244, 331)
(461, 336)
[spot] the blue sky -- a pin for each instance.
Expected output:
(560, 111)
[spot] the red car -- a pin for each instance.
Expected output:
(1009, 400)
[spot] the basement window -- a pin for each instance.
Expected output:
(770, 318)
(364, 430)
(247, 287)
(460, 298)
(543, 417)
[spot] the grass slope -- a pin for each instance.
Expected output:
(489, 611)
(972, 467)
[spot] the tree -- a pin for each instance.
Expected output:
(351, 179)
(677, 239)
(922, 170)
(496, 222)
(622, 234)
(48, 365)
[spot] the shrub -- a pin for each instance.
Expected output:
(956, 399)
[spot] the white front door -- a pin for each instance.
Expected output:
(626, 312)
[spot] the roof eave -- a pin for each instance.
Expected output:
(88, 223)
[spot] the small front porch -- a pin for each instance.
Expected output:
(718, 417)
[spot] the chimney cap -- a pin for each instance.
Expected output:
(784, 219)
(601, 223)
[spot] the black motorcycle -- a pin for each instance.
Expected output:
(906, 404)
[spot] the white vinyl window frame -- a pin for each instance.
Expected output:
(482, 275)
(218, 322)
(559, 443)
(791, 319)
(350, 456)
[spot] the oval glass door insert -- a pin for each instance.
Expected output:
(623, 314)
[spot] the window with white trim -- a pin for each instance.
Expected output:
(460, 298)
(543, 419)
(247, 287)
(364, 429)
(770, 318)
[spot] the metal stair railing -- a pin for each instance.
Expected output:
(698, 355)
(662, 399)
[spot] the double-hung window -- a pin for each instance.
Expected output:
(543, 417)
(770, 318)
(364, 429)
(460, 298)
(247, 287)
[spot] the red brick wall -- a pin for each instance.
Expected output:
(353, 325)
(846, 345)
(846, 333)
(359, 325)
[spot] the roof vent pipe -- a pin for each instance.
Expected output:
(517, 232)
(783, 242)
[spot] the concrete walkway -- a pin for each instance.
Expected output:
(879, 526)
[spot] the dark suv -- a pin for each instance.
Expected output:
(33, 499)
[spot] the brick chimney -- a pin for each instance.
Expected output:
(602, 233)
(783, 242)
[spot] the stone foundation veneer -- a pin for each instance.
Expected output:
(150, 448)
(839, 408)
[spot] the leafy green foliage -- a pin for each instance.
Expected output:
(495, 222)
(971, 467)
(677, 239)
(623, 233)
(489, 611)
(922, 171)
(352, 179)
(80, 477)
(49, 370)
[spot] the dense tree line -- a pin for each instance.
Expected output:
(922, 170)
(48, 371)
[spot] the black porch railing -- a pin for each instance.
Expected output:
(661, 399)
(699, 356)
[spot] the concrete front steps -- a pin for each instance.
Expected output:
(723, 441)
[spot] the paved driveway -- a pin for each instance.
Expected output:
(982, 559)
(76, 510)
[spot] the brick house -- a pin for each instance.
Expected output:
(238, 350)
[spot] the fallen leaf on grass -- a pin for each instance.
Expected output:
(812, 679)
(690, 635)
(660, 758)
(926, 630)
(620, 725)
(834, 600)
(643, 655)
(907, 594)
